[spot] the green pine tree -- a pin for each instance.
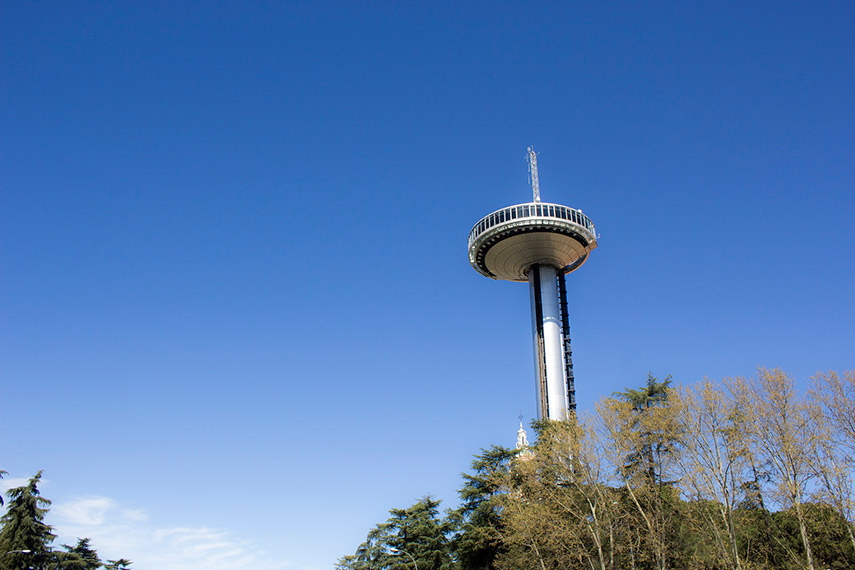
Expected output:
(653, 443)
(79, 557)
(413, 536)
(24, 537)
(477, 542)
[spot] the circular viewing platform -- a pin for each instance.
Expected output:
(506, 243)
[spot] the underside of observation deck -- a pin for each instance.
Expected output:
(509, 254)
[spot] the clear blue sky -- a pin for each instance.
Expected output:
(237, 319)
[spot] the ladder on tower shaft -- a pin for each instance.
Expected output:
(565, 336)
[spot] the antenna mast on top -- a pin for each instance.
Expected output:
(532, 171)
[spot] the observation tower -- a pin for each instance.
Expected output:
(539, 243)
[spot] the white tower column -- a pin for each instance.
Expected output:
(548, 343)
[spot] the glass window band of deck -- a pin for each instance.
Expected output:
(531, 211)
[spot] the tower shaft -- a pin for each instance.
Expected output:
(550, 331)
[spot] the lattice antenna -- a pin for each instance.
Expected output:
(532, 172)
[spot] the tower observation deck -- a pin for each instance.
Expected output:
(539, 243)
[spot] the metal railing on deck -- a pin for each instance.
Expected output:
(531, 211)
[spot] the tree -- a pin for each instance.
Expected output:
(836, 393)
(23, 528)
(713, 462)
(834, 453)
(782, 433)
(652, 442)
(557, 512)
(418, 531)
(477, 540)
(828, 543)
(120, 564)
(80, 556)
(641, 436)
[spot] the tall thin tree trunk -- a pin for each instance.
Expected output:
(631, 555)
(732, 532)
(851, 534)
(595, 534)
(803, 531)
(537, 553)
(612, 544)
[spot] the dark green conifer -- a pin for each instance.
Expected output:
(418, 532)
(24, 537)
(80, 556)
(477, 542)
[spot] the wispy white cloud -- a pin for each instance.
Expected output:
(12, 482)
(86, 512)
(117, 531)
